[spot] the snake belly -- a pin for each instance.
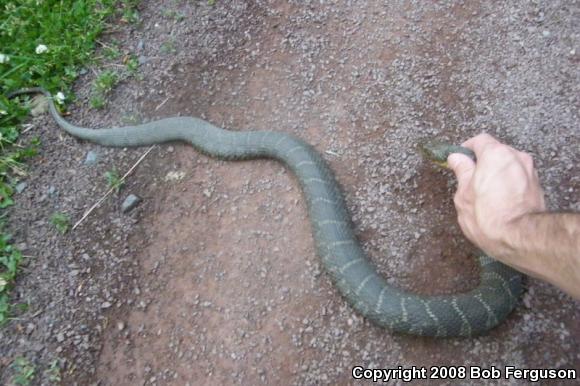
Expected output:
(464, 314)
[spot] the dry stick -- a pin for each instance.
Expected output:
(27, 127)
(161, 104)
(112, 189)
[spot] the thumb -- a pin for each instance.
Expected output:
(462, 166)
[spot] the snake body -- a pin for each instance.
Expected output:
(464, 314)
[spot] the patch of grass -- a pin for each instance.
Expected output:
(48, 43)
(111, 50)
(168, 47)
(24, 371)
(10, 259)
(102, 85)
(53, 372)
(114, 180)
(132, 64)
(60, 221)
(172, 14)
(106, 81)
(45, 43)
(130, 15)
(131, 119)
(97, 101)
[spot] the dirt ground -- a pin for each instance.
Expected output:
(213, 278)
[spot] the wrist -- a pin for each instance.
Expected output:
(512, 246)
(534, 249)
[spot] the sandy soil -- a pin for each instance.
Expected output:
(213, 278)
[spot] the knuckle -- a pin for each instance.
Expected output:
(504, 150)
(488, 152)
(483, 136)
(501, 151)
(524, 155)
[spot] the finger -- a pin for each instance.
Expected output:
(465, 228)
(459, 201)
(463, 167)
(480, 142)
(461, 223)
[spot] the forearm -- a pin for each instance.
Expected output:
(547, 246)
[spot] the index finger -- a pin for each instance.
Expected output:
(480, 142)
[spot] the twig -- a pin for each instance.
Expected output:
(161, 104)
(38, 312)
(332, 153)
(27, 127)
(112, 189)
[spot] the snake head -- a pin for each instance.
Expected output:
(438, 152)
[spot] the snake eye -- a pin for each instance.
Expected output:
(435, 151)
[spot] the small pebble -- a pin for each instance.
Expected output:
(29, 328)
(130, 202)
(20, 187)
(92, 158)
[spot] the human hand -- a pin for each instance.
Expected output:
(492, 193)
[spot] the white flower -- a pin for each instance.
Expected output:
(4, 58)
(59, 98)
(3, 112)
(41, 49)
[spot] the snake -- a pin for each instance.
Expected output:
(466, 314)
